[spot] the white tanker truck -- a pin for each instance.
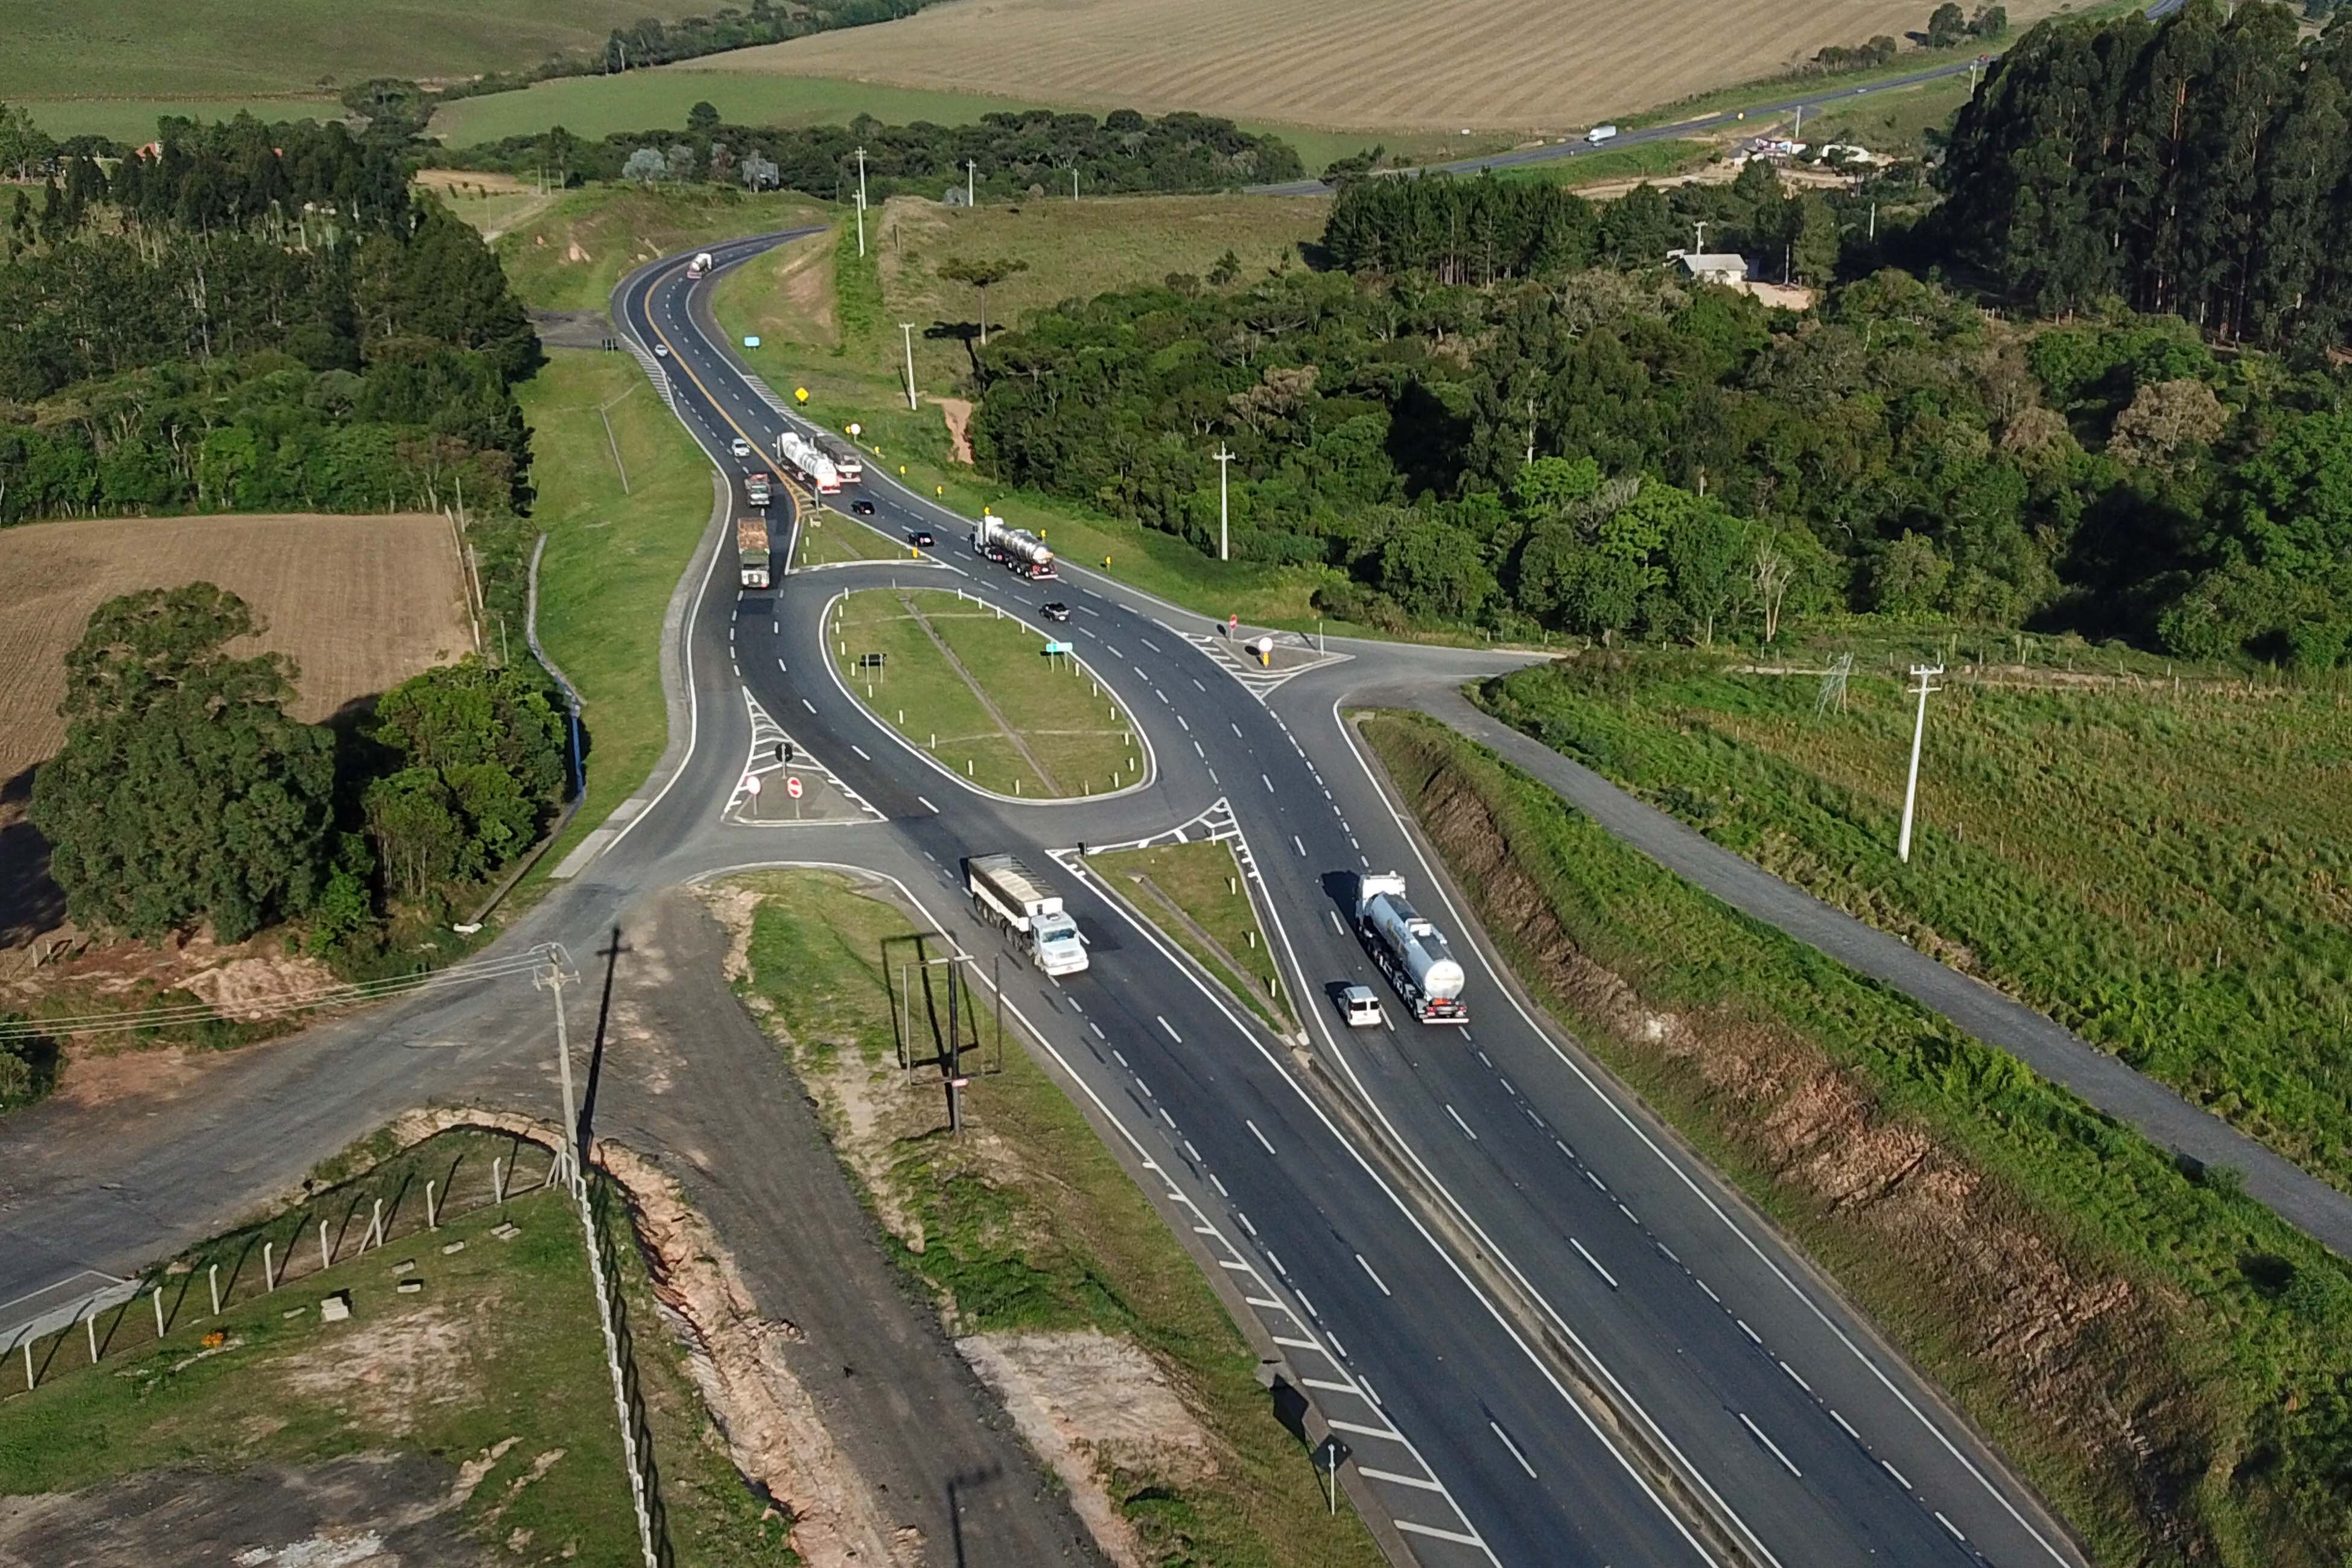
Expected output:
(807, 460)
(1018, 550)
(1410, 951)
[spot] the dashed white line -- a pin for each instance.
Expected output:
(934, 810)
(1180, 720)
(1900, 1479)
(1955, 1529)
(1170, 1029)
(1223, 1193)
(1460, 1123)
(1245, 1222)
(1771, 1445)
(1376, 1279)
(1495, 1427)
(1847, 1424)
(1751, 1333)
(1140, 1083)
(1796, 1378)
(863, 755)
(1258, 1135)
(1117, 1056)
(808, 704)
(1703, 1285)
(1167, 1118)
(1098, 1029)
(1588, 1258)
(1237, 728)
(1267, 782)
(1395, 1479)
(1300, 845)
(1433, 1532)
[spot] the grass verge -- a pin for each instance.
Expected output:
(1026, 1225)
(977, 688)
(497, 1364)
(831, 539)
(571, 254)
(2160, 868)
(2166, 1359)
(615, 554)
(1194, 893)
(1643, 161)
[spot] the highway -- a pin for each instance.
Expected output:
(1547, 1334)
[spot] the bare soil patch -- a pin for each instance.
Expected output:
(958, 413)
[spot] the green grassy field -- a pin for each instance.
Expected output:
(225, 48)
(133, 119)
(498, 1362)
(2148, 1346)
(1061, 735)
(1647, 159)
(1211, 918)
(1027, 1223)
(613, 556)
(828, 539)
(2164, 873)
(1897, 122)
(569, 255)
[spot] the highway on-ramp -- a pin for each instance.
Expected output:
(1555, 1337)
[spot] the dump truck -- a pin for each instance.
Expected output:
(1017, 551)
(1009, 896)
(752, 550)
(807, 459)
(1409, 950)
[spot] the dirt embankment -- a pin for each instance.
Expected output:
(2068, 1355)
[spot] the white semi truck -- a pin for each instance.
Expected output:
(701, 266)
(1410, 951)
(1017, 551)
(1009, 896)
(847, 460)
(807, 459)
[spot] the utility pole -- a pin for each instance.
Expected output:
(861, 202)
(1074, 182)
(906, 331)
(1800, 131)
(967, 183)
(1926, 675)
(553, 979)
(1224, 537)
(1699, 248)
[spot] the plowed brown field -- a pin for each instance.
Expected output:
(361, 603)
(1530, 66)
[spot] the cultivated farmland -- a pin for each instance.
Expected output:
(1486, 65)
(361, 603)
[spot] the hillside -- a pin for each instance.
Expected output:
(1488, 65)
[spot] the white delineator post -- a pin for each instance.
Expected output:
(1225, 465)
(907, 330)
(1926, 675)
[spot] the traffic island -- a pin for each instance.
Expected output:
(987, 697)
(1197, 896)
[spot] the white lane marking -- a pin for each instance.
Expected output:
(1213, 773)
(1751, 1333)
(1170, 1029)
(1900, 1479)
(1196, 684)
(1237, 728)
(1434, 1533)
(1955, 1529)
(1140, 1083)
(1847, 1424)
(1460, 1123)
(1708, 1289)
(1395, 1479)
(808, 704)
(1180, 720)
(1496, 1428)
(1167, 1118)
(1098, 1029)
(1198, 752)
(1391, 1432)
(1151, 644)
(1588, 1258)
(1223, 1193)
(1117, 1056)
(1267, 782)
(934, 810)
(1376, 1279)
(1336, 925)
(1768, 1443)
(1245, 1222)
(779, 665)
(1258, 1135)
(1300, 845)
(1795, 1378)
(1308, 1302)
(1627, 1213)
(861, 751)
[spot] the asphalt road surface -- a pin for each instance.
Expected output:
(1548, 1336)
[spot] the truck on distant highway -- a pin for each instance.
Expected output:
(1601, 133)
(1017, 551)
(847, 460)
(755, 489)
(701, 266)
(1410, 951)
(807, 459)
(1009, 896)
(752, 550)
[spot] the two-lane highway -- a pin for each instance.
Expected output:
(1599, 1355)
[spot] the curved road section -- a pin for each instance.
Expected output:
(1547, 1334)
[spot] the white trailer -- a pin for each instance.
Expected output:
(1009, 896)
(1601, 133)
(701, 266)
(1410, 951)
(847, 460)
(807, 460)
(1017, 551)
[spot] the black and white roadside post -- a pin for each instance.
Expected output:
(1330, 1455)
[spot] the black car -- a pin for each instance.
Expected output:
(921, 538)
(863, 508)
(1055, 610)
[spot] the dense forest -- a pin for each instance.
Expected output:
(2200, 166)
(1010, 153)
(253, 317)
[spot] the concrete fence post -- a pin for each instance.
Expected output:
(89, 1327)
(499, 1180)
(375, 1225)
(28, 1367)
(326, 1260)
(212, 1277)
(268, 1267)
(432, 1217)
(157, 1297)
